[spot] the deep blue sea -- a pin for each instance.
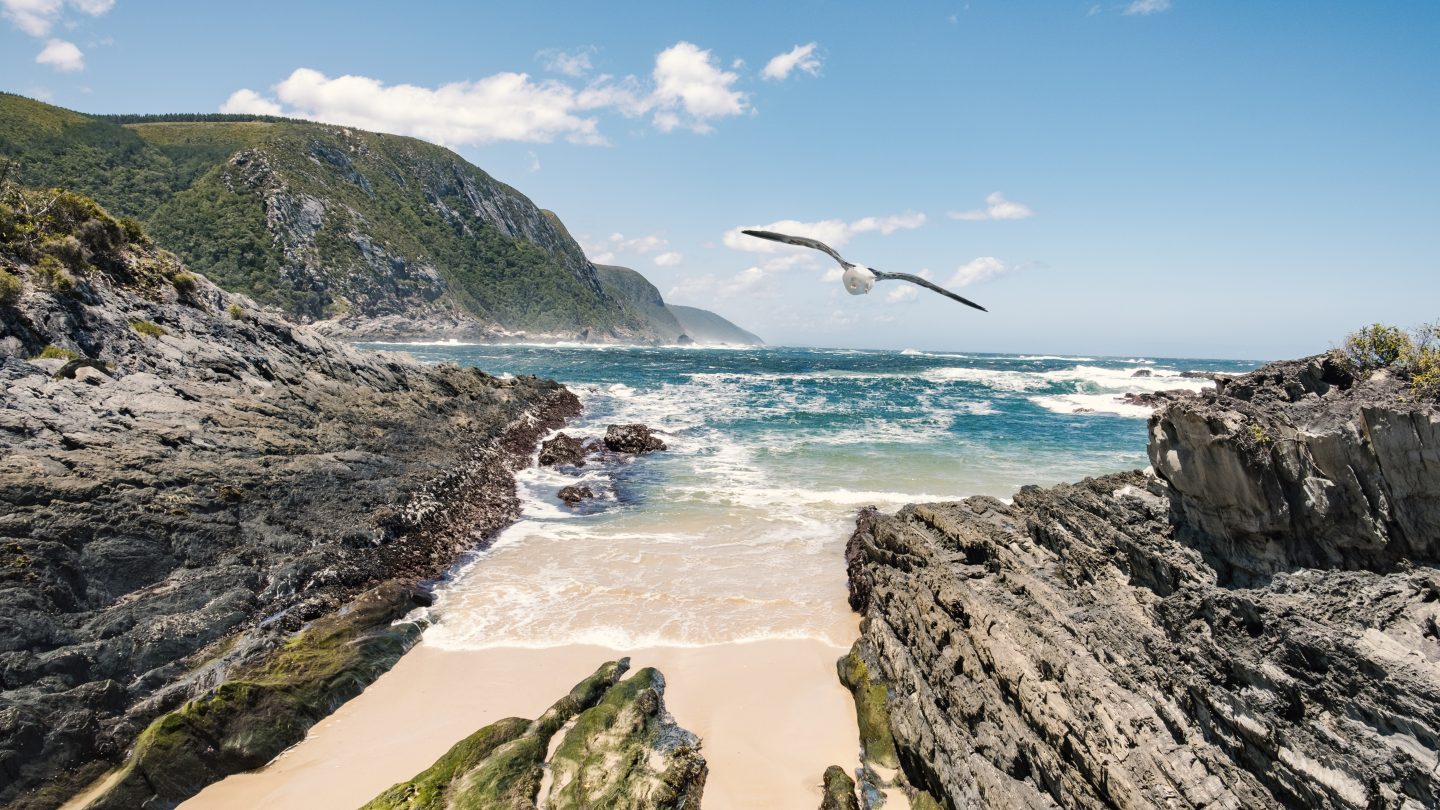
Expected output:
(736, 533)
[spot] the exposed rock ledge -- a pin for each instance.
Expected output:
(1255, 627)
(214, 480)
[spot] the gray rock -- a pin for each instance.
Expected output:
(575, 494)
(1252, 628)
(562, 449)
(634, 439)
(1143, 372)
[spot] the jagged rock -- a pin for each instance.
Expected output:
(632, 439)
(839, 790)
(562, 449)
(1153, 399)
(622, 751)
(1143, 372)
(501, 765)
(1232, 633)
(627, 753)
(575, 494)
(228, 481)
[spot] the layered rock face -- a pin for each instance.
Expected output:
(619, 748)
(209, 481)
(1253, 626)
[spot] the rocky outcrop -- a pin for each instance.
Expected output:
(633, 439)
(564, 450)
(211, 481)
(620, 749)
(1254, 625)
(838, 790)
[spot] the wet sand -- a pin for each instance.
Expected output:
(771, 714)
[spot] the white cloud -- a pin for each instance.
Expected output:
(688, 78)
(898, 295)
(570, 63)
(669, 259)
(689, 91)
(978, 270)
(833, 232)
(996, 207)
(534, 161)
(701, 289)
(1147, 6)
(604, 251)
(61, 55)
(502, 107)
(37, 17)
(800, 57)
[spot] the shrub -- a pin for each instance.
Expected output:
(236, 313)
(53, 274)
(133, 231)
(10, 289)
(53, 352)
(1376, 346)
(184, 282)
(148, 329)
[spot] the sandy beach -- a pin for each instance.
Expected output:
(771, 713)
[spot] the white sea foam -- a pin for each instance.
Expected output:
(1096, 403)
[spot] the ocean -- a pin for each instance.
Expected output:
(736, 533)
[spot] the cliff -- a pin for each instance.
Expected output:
(369, 236)
(672, 323)
(187, 480)
(1253, 624)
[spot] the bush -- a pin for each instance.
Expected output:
(148, 329)
(1414, 356)
(10, 289)
(133, 231)
(185, 282)
(1376, 346)
(52, 274)
(53, 352)
(236, 313)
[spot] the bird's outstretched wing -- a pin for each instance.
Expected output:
(879, 276)
(802, 241)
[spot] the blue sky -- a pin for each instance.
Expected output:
(1214, 179)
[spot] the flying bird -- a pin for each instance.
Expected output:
(858, 278)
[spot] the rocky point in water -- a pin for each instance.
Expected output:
(1252, 625)
(619, 749)
(188, 481)
(636, 439)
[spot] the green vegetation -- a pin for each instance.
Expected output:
(266, 707)
(53, 352)
(839, 790)
(305, 216)
(148, 329)
(235, 312)
(1413, 355)
(10, 289)
(185, 282)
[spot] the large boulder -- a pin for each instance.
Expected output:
(562, 449)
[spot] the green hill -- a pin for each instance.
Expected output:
(704, 326)
(373, 235)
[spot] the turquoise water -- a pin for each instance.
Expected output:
(737, 533)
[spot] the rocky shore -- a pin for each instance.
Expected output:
(186, 481)
(1252, 624)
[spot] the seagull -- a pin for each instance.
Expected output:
(858, 278)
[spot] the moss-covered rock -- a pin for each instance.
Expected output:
(265, 708)
(502, 764)
(627, 753)
(839, 790)
(876, 743)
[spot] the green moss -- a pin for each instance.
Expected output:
(148, 328)
(924, 801)
(876, 742)
(839, 790)
(52, 352)
(266, 707)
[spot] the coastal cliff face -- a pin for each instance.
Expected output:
(1253, 625)
(186, 480)
(365, 235)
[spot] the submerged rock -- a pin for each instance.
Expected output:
(563, 449)
(623, 750)
(632, 439)
(1252, 628)
(575, 494)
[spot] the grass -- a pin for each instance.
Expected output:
(148, 328)
(53, 352)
